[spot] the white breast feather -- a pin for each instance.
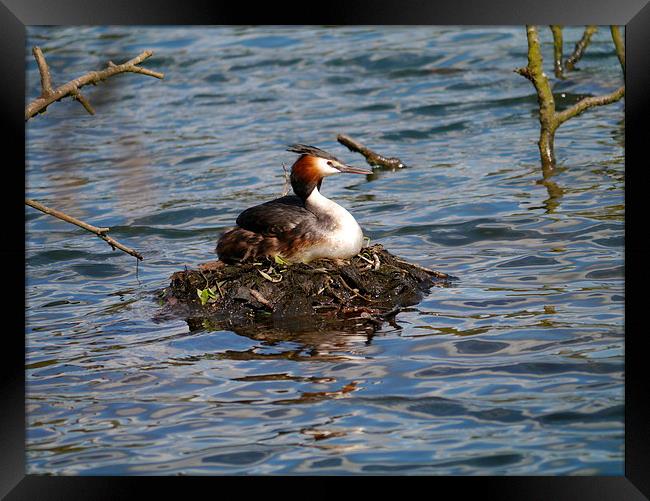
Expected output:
(342, 242)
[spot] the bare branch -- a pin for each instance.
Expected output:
(535, 73)
(71, 88)
(371, 157)
(549, 118)
(144, 71)
(524, 73)
(557, 50)
(580, 48)
(84, 102)
(44, 70)
(620, 46)
(589, 102)
(100, 232)
(436, 274)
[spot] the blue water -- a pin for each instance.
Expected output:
(516, 369)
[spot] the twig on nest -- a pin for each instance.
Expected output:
(100, 232)
(261, 299)
(287, 180)
(49, 95)
(371, 157)
(435, 273)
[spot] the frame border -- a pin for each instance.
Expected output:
(15, 15)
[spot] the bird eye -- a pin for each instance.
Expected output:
(329, 163)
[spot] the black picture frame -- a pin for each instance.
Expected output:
(15, 15)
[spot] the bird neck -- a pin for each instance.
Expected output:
(318, 203)
(305, 177)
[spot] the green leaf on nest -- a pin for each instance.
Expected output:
(279, 260)
(207, 295)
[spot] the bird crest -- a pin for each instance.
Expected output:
(304, 149)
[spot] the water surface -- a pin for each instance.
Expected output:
(516, 369)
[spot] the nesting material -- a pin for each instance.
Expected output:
(359, 294)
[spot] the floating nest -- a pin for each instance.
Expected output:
(361, 293)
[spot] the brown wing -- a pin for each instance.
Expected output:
(239, 244)
(275, 217)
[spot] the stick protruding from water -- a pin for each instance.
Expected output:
(372, 157)
(100, 232)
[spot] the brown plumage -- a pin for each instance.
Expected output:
(289, 226)
(280, 227)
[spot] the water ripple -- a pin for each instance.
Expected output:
(515, 369)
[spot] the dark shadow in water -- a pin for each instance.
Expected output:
(295, 338)
(295, 342)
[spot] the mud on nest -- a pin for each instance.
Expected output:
(359, 294)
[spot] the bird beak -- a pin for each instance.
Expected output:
(352, 170)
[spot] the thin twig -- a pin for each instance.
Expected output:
(49, 95)
(356, 292)
(84, 102)
(44, 70)
(524, 72)
(219, 289)
(437, 274)
(100, 232)
(580, 48)
(287, 180)
(371, 157)
(589, 102)
(261, 299)
(375, 257)
(365, 259)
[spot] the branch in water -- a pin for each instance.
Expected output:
(589, 102)
(371, 157)
(549, 118)
(580, 48)
(557, 50)
(535, 73)
(100, 232)
(620, 46)
(49, 95)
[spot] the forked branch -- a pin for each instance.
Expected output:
(549, 118)
(72, 88)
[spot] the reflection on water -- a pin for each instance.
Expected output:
(517, 368)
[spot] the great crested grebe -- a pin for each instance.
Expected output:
(300, 227)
